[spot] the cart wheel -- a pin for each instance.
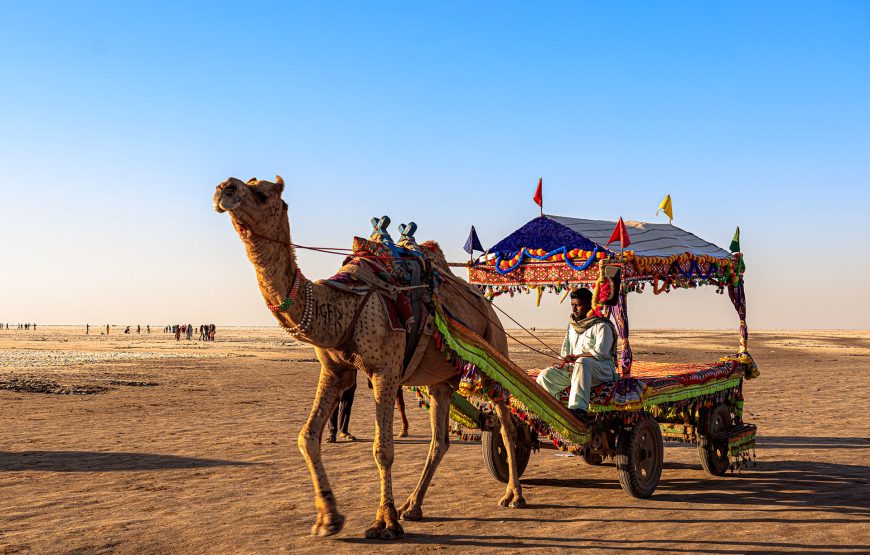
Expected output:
(495, 453)
(592, 458)
(714, 454)
(639, 457)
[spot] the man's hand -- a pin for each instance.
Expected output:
(570, 359)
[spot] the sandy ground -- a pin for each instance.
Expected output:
(192, 448)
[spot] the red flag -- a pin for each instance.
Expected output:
(620, 233)
(539, 194)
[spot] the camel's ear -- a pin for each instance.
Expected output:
(252, 181)
(279, 181)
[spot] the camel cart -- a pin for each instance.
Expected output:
(651, 402)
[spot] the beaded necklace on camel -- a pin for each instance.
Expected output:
(291, 296)
(307, 311)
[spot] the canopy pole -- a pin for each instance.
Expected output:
(620, 316)
(738, 299)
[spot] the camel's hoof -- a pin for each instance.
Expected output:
(403, 433)
(374, 532)
(518, 504)
(393, 532)
(412, 513)
(328, 527)
(506, 500)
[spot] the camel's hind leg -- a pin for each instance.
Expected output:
(439, 415)
(514, 495)
(400, 404)
(496, 337)
(386, 525)
(329, 388)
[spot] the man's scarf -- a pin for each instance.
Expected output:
(580, 326)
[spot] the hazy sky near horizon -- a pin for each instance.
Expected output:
(118, 120)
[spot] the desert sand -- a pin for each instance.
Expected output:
(190, 447)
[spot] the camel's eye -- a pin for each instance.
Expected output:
(259, 195)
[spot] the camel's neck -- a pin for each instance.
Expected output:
(277, 275)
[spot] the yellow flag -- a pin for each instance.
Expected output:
(667, 207)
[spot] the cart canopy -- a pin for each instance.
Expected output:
(556, 252)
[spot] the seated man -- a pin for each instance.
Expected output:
(591, 342)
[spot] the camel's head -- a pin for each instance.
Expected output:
(255, 205)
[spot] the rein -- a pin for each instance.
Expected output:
(328, 250)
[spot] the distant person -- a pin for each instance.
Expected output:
(87, 329)
(177, 332)
(138, 328)
(340, 418)
(202, 332)
(211, 331)
(127, 329)
(148, 328)
(189, 331)
(107, 329)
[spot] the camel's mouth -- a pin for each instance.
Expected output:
(226, 204)
(227, 197)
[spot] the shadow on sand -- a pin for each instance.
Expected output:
(813, 442)
(620, 546)
(776, 486)
(92, 461)
(791, 492)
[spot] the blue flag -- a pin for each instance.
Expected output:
(473, 243)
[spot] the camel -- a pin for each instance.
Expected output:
(350, 335)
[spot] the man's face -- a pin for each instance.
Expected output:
(579, 309)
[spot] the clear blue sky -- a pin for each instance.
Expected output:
(118, 119)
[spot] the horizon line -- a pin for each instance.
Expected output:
(506, 328)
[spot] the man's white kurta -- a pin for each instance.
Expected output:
(587, 372)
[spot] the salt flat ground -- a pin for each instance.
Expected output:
(192, 449)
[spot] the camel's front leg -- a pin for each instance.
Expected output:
(386, 525)
(514, 495)
(439, 416)
(330, 386)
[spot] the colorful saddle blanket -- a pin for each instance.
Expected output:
(375, 264)
(654, 383)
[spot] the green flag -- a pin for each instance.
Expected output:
(735, 241)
